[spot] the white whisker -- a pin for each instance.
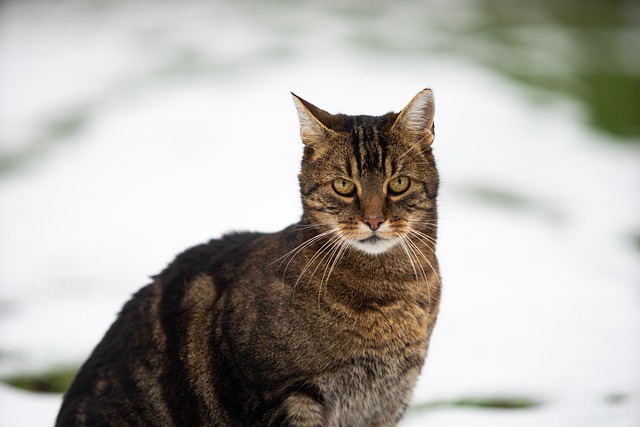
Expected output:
(417, 248)
(418, 144)
(337, 254)
(318, 253)
(404, 246)
(415, 251)
(293, 252)
(428, 241)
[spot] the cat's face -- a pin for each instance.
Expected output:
(370, 182)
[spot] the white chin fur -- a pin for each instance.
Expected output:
(375, 248)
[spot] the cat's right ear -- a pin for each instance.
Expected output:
(416, 119)
(313, 132)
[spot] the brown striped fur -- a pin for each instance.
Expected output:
(325, 323)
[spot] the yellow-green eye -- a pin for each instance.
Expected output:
(343, 186)
(399, 184)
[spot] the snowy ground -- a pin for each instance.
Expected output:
(134, 131)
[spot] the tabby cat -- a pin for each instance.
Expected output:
(325, 323)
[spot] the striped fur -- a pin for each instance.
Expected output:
(325, 323)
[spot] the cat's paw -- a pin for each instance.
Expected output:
(303, 410)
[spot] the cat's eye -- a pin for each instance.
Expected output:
(399, 184)
(343, 187)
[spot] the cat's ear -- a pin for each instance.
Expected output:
(313, 131)
(416, 119)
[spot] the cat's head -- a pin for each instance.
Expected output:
(370, 181)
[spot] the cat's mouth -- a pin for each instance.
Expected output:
(374, 244)
(372, 240)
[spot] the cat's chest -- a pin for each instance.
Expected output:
(370, 390)
(392, 329)
(372, 379)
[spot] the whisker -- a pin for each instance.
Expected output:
(416, 251)
(303, 245)
(406, 250)
(424, 236)
(418, 144)
(423, 225)
(318, 253)
(413, 249)
(429, 241)
(327, 269)
(422, 221)
(344, 243)
(337, 254)
(330, 249)
(412, 243)
(295, 251)
(308, 226)
(428, 224)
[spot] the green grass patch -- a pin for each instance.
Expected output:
(635, 238)
(55, 380)
(616, 398)
(595, 68)
(54, 133)
(512, 201)
(493, 402)
(501, 197)
(68, 126)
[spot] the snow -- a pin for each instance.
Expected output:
(24, 409)
(184, 135)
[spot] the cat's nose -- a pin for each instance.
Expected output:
(374, 222)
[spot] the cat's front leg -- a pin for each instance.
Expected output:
(303, 410)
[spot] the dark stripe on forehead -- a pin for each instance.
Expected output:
(383, 142)
(355, 144)
(368, 150)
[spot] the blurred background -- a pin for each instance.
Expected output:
(131, 130)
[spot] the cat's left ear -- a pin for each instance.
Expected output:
(416, 119)
(312, 130)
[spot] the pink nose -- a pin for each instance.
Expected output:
(375, 222)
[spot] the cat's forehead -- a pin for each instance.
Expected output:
(369, 147)
(347, 123)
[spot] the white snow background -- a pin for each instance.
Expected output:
(141, 128)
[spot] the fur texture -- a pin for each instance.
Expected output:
(325, 323)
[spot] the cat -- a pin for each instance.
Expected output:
(325, 323)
